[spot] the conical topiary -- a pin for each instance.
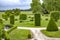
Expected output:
(52, 26)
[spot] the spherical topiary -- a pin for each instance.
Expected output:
(55, 15)
(52, 26)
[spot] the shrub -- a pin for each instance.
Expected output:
(23, 16)
(55, 15)
(29, 36)
(7, 37)
(12, 19)
(12, 29)
(37, 19)
(4, 16)
(1, 21)
(21, 21)
(16, 19)
(46, 19)
(52, 26)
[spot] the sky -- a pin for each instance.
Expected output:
(12, 4)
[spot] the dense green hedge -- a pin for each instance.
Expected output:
(4, 16)
(52, 25)
(37, 19)
(23, 16)
(12, 29)
(55, 15)
(12, 19)
(1, 21)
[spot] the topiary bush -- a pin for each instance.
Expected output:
(12, 21)
(29, 36)
(4, 16)
(1, 21)
(37, 19)
(55, 15)
(23, 16)
(52, 25)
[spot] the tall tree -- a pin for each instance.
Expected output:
(36, 9)
(52, 5)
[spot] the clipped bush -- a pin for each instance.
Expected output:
(7, 37)
(21, 21)
(1, 21)
(12, 19)
(46, 19)
(4, 16)
(55, 15)
(52, 25)
(29, 36)
(37, 19)
(12, 29)
(23, 16)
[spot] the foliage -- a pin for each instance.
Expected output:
(37, 19)
(4, 16)
(29, 36)
(8, 12)
(16, 11)
(12, 19)
(23, 16)
(1, 21)
(52, 25)
(55, 15)
(52, 5)
(36, 8)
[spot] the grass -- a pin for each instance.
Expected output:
(19, 34)
(53, 34)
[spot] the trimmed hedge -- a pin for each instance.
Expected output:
(52, 26)
(12, 19)
(12, 29)
(1, 21)
(4, 16)
(55, 15)
(23, 16)
(37, 19)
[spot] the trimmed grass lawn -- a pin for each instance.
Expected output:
(19, 34)
(55, 34)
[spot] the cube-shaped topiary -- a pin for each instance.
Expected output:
(52, 26)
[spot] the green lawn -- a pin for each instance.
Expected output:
(29, 23)
(19, 34)
(55, 34)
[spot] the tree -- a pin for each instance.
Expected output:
(52, 5)
(55, 15)
(16, 11)
(12, 19)
(36, 9)
(52, 25)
